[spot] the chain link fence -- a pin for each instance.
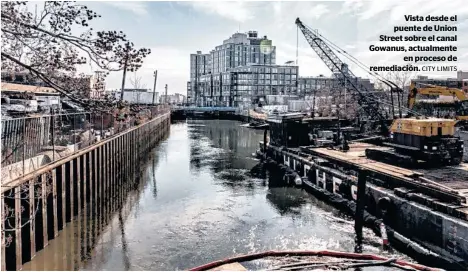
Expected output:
(32, 142)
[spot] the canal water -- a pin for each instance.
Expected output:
(196, 203)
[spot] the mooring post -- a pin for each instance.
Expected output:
(360, 206)
(3, 237)
(265, 143)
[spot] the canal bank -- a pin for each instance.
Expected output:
(196, 202)
(88, 184)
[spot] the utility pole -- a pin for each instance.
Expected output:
(165, 96)
(154, 86)
(123, 78)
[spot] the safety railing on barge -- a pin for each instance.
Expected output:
(32, 142)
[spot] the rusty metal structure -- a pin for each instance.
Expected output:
(39, 204)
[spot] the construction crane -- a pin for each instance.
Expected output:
(458, 108)
(346, 77)
(410, 139)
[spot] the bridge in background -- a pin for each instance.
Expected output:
(182, 112)
(193, 109)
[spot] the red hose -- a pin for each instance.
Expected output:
(328, 253)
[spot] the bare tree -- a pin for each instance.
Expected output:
(402, 79)
(50, 46)
(136, 83)
(131, 60)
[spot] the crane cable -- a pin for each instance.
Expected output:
(361, 65)
(364, 67)
(355, 60)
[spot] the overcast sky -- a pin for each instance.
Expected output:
(173, 30)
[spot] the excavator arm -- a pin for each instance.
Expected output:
(436, 91)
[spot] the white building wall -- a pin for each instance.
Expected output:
(138, 97)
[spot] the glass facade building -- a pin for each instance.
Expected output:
(243, 71)
(326, 86)
(246, 85)
(217, 77)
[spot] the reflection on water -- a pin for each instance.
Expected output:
(196, 203)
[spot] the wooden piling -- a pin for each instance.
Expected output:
(111, 176)
(32, 213)
(54, 201)
(84, 221)
(44, 209)
(95, 190)
(64, 196)
(3, 242)
(360, 206)
(17, 196)
(100, 196)
(71, 181)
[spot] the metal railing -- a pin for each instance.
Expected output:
(31, 142)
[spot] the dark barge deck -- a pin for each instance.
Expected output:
(428, 206)
(449, 182)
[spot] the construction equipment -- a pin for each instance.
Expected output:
(455, 109)
(429, 139)
(412, 139)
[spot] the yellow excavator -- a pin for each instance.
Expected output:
(428, 139)
(457, 109)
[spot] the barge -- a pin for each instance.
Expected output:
(425, 206)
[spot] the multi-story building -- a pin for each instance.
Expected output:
(242, 49)
(173, 99)
(457, 82)
(462, 75)
(243, 71)
(222, 77)
(245, 85)
(89, 86)
(200, 64)
(324, 86)
(190, 94)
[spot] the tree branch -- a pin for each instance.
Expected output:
(43, 77)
